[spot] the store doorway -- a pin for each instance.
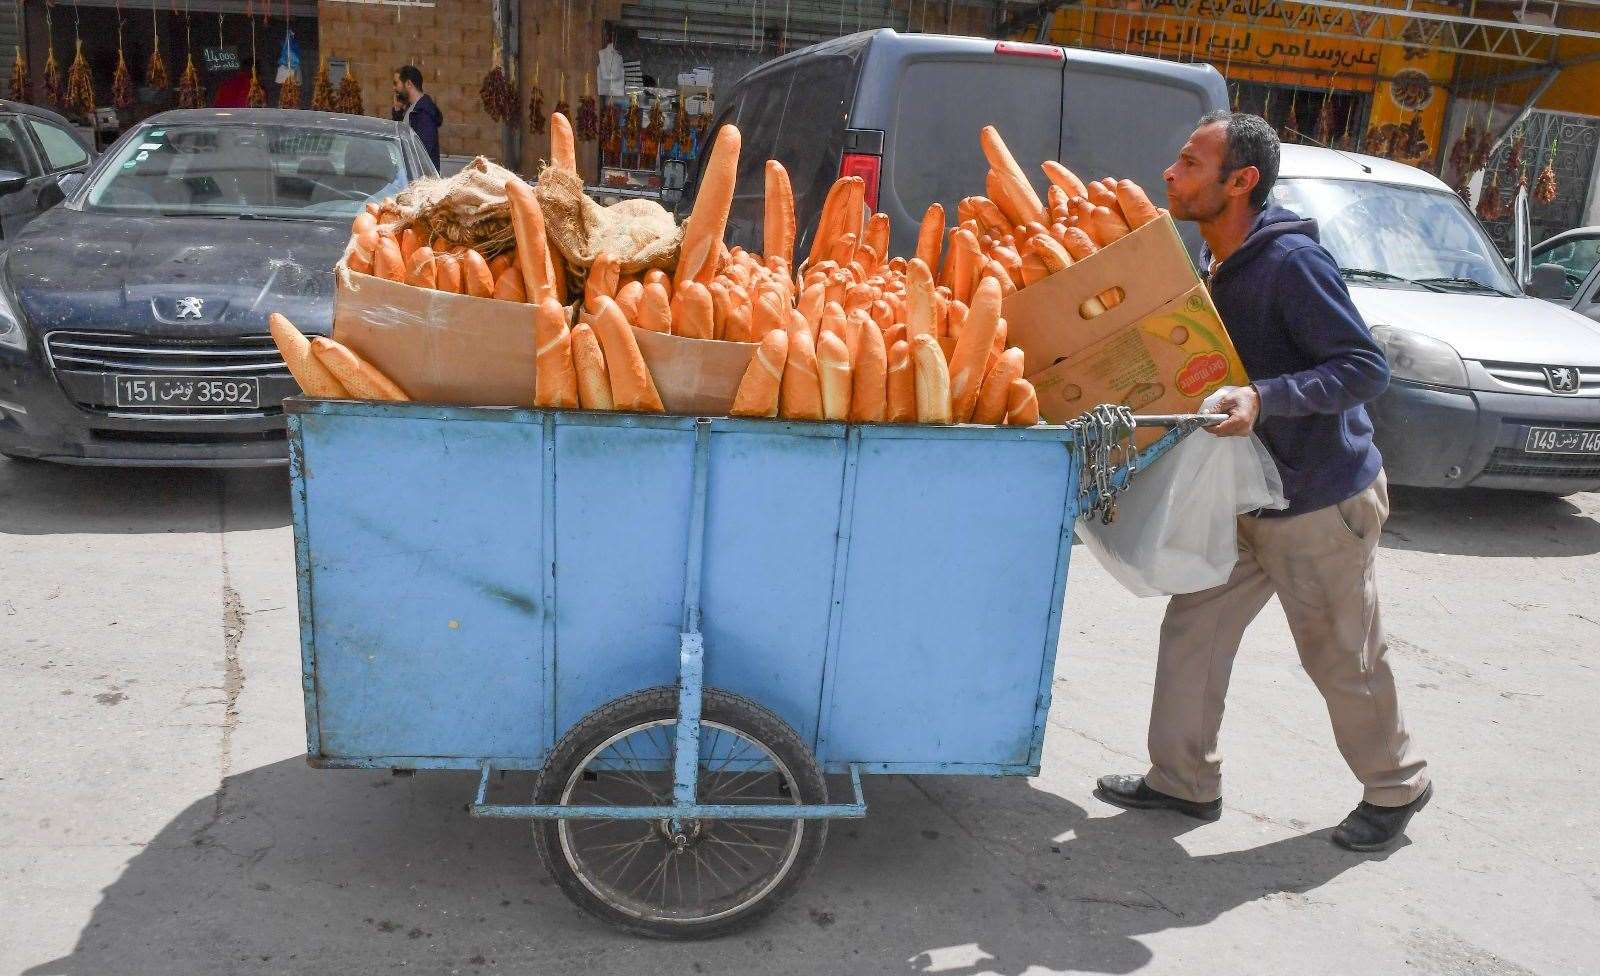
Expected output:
(1306, 116)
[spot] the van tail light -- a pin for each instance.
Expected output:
(1016, 49)
(866, 166)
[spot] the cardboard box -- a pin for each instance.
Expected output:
(1162, 350)
(697, 99)
(439, 348)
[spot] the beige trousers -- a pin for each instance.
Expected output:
(1320, 566)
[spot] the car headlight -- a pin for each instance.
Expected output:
(1423, 359)
(11, 334)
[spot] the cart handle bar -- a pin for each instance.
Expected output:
(1180, 419)
(691, 811)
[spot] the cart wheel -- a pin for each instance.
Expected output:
(709, 877)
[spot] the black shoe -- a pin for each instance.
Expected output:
(1373, 828)
(1133, 793)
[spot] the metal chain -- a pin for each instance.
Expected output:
(1106, 433)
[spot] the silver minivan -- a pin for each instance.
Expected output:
(1491, 387)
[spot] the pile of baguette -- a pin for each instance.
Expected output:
(849, 333)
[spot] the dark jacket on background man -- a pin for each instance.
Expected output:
(425, 118)
(1312, 358)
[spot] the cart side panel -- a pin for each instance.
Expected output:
(621, 533)
(423, 545)
(953, 560)
(769, 563)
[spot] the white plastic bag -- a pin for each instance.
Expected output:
(1176, 529)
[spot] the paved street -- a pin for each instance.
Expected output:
(157, 817)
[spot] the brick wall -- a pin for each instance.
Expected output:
(452, 42)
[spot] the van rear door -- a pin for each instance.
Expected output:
(1128, 117)
(930, 95)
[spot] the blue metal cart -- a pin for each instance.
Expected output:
(684, 623)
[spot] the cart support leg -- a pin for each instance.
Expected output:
(691, 653)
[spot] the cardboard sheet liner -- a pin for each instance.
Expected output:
(1162, 349)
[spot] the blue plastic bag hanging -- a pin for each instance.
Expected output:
(288, 59)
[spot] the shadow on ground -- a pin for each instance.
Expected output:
(1489, 523)
(42, 499)
(290, 869)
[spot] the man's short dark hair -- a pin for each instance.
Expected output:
(411, 73)
(1251, 142)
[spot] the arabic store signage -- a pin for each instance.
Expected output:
(1245, 48)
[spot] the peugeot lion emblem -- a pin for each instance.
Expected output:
(189, 308)
(1562, 379)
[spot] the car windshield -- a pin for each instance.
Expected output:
(247, 170)
(1399, 235)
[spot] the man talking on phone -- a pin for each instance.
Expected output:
(1316, 364)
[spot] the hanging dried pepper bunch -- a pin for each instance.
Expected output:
(1489, 203)
(1461, 153)
(189, 86)
(122, 84)
(257, 96)
(633, 122)
(289, 92)
(682, 141)
(1544, 186)
(536, 116)
(588, 121)
(1413, 143)
(323, 98)
(21, 85)
(55, 94)
(610, 135)
(498, 97)
(654, 129)
(1327, 119)
(155, 73)
(1515, 156)
(348, 101)
(1484, 147)
(80, 84)
(562, 107)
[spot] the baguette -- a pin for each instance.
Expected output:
(833, 372)
(930, 237)
(800, 394)
(1022, 404)
(995, 191)
(841, 213)
(844, 249)
(410, 240)
(508, 287)
(896, 333)
(955, 319)
(990, 216)
(555, 376)
(691, 314)
(1066, 179)
(422, 271)
(1050, 253)
(994, 269)
(356, 375)
(304, 366)
(856, 325)
(475, 274)
(1010, 174)
(390, 263)
(882, 315)
(900, 389)
(533, 252)
(770, 312)
(563, 152)
(968, 258)
(655, 276)
(603, 279)
(812, 301)
(758, 390)
(500, 262)
(1109, 227)
(932, 380)
(655, 311)
(876, 237)
(740, 327)
(364, 243)
(1033, 268)
(919, 301)
(702, 232)
(447, 273)
(869, 379)
(629, 297)
(594, 387)
(1137, 209)
(972, 350)
(832, 322)
(632, 387)
(777, 225)
(996, 389)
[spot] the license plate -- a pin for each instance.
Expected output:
(188, 391)
(1558, 440)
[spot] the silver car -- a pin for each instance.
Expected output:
(1491, 387)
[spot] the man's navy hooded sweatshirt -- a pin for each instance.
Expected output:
(1311, 356)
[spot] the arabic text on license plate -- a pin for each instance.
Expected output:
(188, 391)
(1559, 440)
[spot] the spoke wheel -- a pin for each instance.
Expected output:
(699, 877)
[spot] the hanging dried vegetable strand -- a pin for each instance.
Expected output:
(257, 96)
(348, 101)
(1519, 147)
(80, 84)
(682, 139)
(323, 98)
(155, 73)
(536, 116)
(561, 101)
(54, 91)
(121, 78)
(610, 134)
(1544, 186)
(21, 88)
(588, 123)
(1489, 203)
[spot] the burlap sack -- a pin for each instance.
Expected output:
(640, 234)
(468, 208)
